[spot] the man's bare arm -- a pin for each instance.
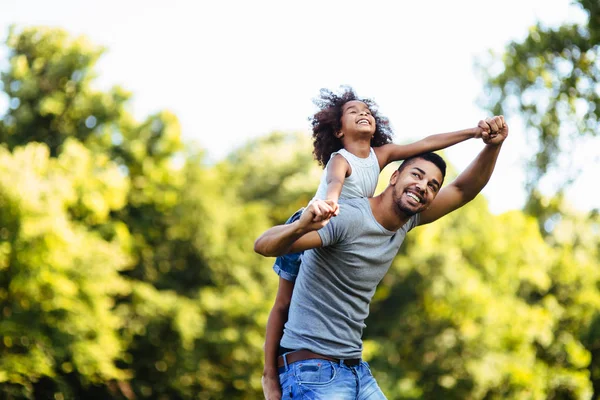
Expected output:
(473, 179)
(299, 235)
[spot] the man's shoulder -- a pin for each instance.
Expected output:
(354, 205)
(347, 223)
(351, 211)
(355, 202)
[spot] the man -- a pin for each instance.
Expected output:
(345, 259)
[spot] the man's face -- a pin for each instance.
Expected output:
(416, 186)
(357, 119)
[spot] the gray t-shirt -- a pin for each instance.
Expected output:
(336, 282)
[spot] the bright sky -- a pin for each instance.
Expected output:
(234, 70)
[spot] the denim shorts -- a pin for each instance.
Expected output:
(287, 266)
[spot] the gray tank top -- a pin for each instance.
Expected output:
(362, 182)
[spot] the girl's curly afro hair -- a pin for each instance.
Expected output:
(327, 121)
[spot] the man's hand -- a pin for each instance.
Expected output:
(498, 130)
(271, 387)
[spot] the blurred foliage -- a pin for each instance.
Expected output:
(551, 81)
(59, 279)
(481, 307)
(127, 267)
(124, 257)
(277, 170)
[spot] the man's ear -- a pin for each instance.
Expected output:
(394, 178)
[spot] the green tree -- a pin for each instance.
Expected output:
(277, 170)
(190, 320)
(551, 81)
(59, 279)
(130, 191)
(482, 307)
(50, 96)
(127, 267)
(258, 185)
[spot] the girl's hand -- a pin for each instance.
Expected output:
(271, 387)
(499, 130)
(336, 209)
(317, 214)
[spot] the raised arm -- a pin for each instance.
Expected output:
(395, 152)
(473, 179)
(299, 235)
(338, 169)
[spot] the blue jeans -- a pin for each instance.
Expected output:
(288, 265)
(323, 379)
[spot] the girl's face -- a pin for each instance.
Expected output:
(357, 120)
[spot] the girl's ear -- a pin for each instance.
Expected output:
(339, 134)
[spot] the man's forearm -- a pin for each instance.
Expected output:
(277, 240)
(473, 179)
(299, 235)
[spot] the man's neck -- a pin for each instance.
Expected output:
(386, 214)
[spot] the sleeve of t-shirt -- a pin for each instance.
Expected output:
(337, 229)
(413, 221)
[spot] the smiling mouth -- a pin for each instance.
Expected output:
(413, 196)
(363, 122)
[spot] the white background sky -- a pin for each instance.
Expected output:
(234, 70)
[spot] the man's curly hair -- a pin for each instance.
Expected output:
(328, 121)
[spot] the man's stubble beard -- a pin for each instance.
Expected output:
(409, 212)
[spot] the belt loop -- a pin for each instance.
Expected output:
(285, 363)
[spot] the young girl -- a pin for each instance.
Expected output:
(353, 143)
